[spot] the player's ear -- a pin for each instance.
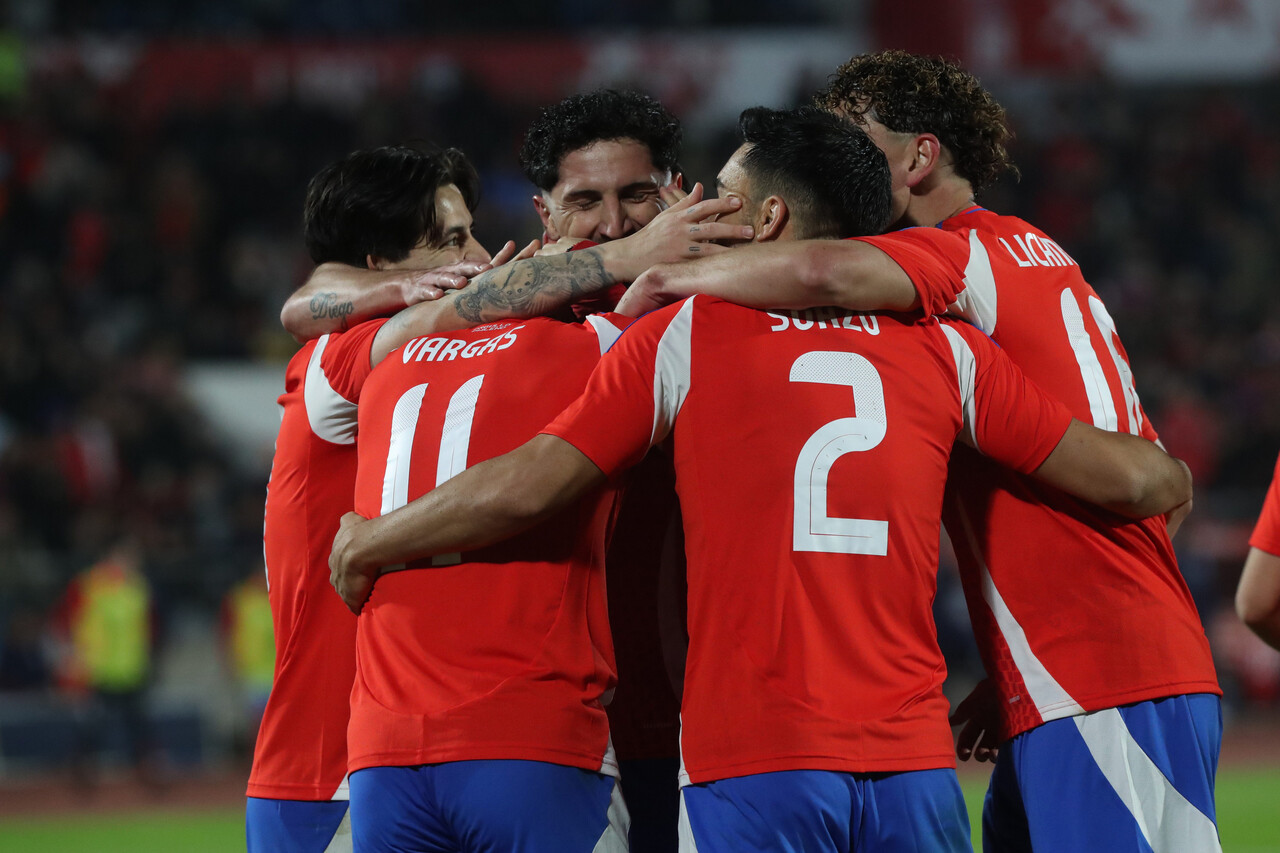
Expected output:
(375, 262)
(926, 152)
(771, 219)
(544, 213)
(679, 180)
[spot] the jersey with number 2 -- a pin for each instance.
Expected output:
(810, 452)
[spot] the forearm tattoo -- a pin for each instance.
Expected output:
(328, 306)
(532, 287)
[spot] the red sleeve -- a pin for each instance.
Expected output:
(1266, 535)
(347, 361)
(934, 259)
(613, 422)
(1007, 416)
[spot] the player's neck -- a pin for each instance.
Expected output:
(941, 201)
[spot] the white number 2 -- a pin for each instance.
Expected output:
(814, 529)
(455, 441)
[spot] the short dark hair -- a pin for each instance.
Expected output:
(922, 94)
(833, 177)
(382, 201)
(605, 114)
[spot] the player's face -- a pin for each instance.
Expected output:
(456, 242)
(733, 182)
(607, 190)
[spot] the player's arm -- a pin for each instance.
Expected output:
(489, 502)
(795, 274)
(1123, 473)
(1258, 595)
(337, 297)
(542, 284)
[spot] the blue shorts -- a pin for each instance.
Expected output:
(1135, 778)
(474, 806)
(297, 826)
(818, 810)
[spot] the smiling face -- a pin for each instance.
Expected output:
(456, 242)
(607, 190)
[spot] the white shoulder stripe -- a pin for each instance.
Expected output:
(332, 416)
(671, 371)
(977, 302)
(966, 374)
(605, 331)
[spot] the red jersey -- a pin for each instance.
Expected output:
(1075, 609)
(810, 451)
(1266, 535)
(301, 753)
(503, 652)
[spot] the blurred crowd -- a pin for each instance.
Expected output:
(131, 248)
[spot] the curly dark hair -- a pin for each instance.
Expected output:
(922, 94)
(382, 201)
(832, 176)
(605, 114)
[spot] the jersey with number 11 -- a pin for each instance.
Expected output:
(504, 652)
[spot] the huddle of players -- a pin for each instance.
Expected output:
(812, 713)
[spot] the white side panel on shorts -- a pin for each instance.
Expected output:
(332, 416)
(616, 832)
(688, 844)
(1051, 700)
(1168, 822)
(341, 841)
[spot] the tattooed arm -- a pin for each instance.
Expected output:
(337, 296)
(527, 288)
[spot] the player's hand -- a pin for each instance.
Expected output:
(980, 723)
(351, 580)
(559, 247)
(685, 230)
(508, 253)
(426, 285)
(671, 194)
(649, 292)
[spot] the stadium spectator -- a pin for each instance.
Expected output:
(813, 686)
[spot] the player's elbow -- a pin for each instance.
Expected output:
(1150, 483)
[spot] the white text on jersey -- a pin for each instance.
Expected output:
(1037, 251)
(447, 349)
(824, 318)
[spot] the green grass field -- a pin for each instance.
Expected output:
(1248, 819)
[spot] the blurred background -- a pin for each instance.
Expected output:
(153, 161)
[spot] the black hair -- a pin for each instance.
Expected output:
(381, 201)
(605, 114)
(833, 177)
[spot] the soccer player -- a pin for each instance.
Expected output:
(1258, 596)
(397, 209)
(811, 454)
(1101, 686)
